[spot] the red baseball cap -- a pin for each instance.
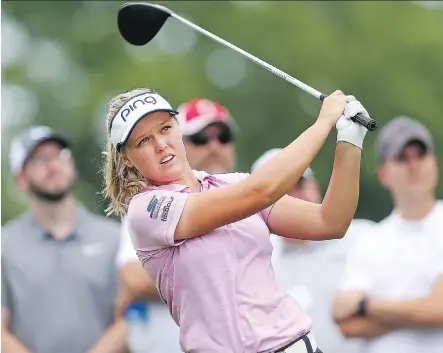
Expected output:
(195, 115)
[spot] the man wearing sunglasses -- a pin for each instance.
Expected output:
(208, 131)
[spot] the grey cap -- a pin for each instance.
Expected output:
(268, 155)
(395, 135)
(24, 144)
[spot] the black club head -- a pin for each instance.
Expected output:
(138, 23)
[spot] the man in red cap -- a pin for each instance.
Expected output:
(208, 130)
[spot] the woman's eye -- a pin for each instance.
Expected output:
(165, 128)
(143, 140)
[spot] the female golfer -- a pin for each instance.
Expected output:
(204, 239)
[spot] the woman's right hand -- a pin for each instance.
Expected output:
(332, 108)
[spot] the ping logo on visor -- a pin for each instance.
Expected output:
(135, 109)
(148, 99)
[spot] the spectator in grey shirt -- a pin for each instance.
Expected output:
(59, 280)
(311, 271)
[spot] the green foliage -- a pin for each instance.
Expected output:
(387, 54)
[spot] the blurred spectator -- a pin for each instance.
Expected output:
(208, 131)
(310, 270)
(392, 293)
(59, 279)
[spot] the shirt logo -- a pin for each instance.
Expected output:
(154, 206)
(166, 209)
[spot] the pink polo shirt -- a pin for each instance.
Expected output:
(220, 287)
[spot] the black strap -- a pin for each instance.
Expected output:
(306, 341)
(308, 344)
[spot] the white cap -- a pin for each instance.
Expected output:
(24, 145)
(135, 109)
(268, 155)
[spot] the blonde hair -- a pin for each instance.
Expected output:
(121, 183)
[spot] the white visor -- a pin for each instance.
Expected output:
(135, 109)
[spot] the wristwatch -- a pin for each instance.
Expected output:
(362, 307)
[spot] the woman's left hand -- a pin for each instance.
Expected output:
(348, 130)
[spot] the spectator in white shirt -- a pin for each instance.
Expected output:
(392, 292)
(309, 270)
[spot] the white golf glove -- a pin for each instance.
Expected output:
(348, 130)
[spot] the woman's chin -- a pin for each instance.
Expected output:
(168, 175)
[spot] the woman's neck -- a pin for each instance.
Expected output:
(187, 178)
(190, 179)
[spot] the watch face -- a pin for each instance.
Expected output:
(362, 307)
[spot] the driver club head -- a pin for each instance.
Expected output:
(139, 22)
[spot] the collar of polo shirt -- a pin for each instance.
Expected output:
(81, 225)
(135, 109)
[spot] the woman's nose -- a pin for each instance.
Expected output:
(160, 144)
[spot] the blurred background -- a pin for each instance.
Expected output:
(63, 60)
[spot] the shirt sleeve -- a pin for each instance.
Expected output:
(153, 217)
(265, 213)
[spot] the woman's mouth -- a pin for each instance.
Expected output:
(167, 159)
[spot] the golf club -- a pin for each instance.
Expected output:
(139, 22)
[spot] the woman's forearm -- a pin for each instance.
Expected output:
(341, 199)
(280, 174)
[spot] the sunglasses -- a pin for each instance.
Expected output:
(202, 138)
(63, 156)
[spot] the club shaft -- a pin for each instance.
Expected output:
(251, 57)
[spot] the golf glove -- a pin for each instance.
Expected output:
(348, 130)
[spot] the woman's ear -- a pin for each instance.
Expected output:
(127, 162)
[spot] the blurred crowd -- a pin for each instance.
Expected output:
(72, 282)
